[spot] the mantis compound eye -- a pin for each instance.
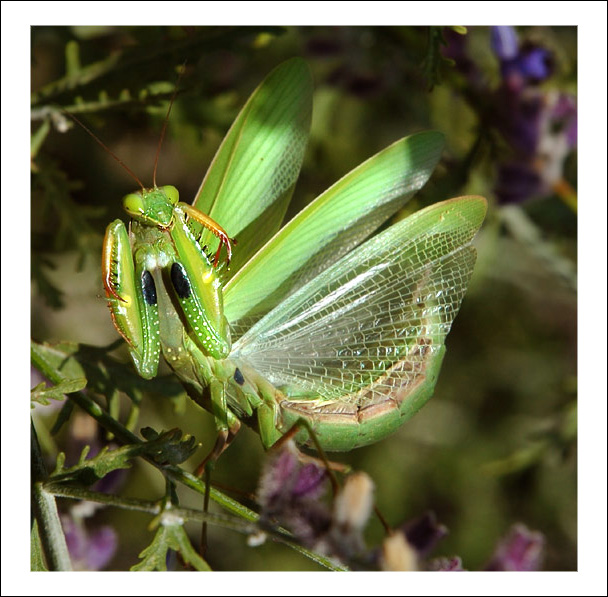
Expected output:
(133, 204)
(172, 193)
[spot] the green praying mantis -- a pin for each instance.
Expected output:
(315, 321)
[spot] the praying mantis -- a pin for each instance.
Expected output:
(318, 320)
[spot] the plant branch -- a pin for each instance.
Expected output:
(44, 507)
(172, 472)
(151, 507)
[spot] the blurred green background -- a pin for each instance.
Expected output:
(497, 443)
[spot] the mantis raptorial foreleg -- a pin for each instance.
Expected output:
(205, 221)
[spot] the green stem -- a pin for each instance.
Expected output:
(50, 531)
(154, 508)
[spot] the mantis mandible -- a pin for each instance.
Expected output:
(311, 321)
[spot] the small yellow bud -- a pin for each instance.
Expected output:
(398, 554)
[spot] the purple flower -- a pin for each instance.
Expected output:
(406, 548)
(286, 478)
(504, 42)
(424, 532)
(519, 119)
(89, 550)
(541, 138)
(521, 550)
(520, 64)
(535, 63)
(289, 492)
(539, 127)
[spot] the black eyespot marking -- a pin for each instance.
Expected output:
(180, 281)
(238, 377)
(148, 287)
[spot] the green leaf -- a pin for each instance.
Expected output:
(333, 224)
(434, 59)
(44, 395)
(169, 447)
(138, 66)
(105, 375)
(72, 58)
(39, 136)
(170, 535)
(87, 472)
(63, 417)
(259, 160)
(37, 563)
(459, 29)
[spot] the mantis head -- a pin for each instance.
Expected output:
(152, 206)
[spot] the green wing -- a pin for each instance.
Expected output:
(370, 312)
(333, 224)
(250, 181)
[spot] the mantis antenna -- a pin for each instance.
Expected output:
(104, 146)
(162, 133)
